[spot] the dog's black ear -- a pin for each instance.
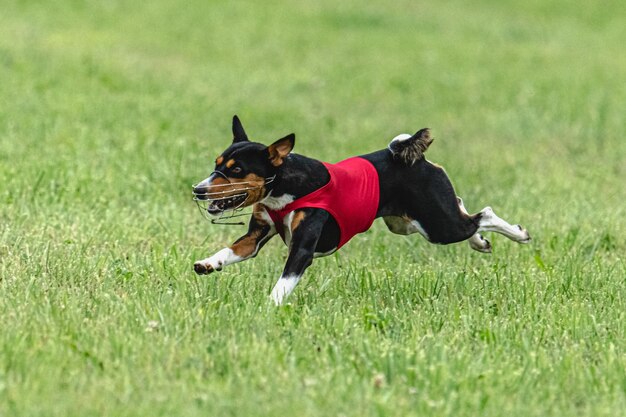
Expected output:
(280, 149)
(239, 135)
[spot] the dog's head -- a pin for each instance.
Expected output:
(243, 173)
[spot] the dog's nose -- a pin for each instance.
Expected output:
(201, 192)
(201, 189)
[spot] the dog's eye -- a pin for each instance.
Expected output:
(236, 170)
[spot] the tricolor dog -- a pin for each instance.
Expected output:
(317, 207)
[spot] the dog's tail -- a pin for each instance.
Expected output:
(410, 149)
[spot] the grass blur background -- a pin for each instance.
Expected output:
(110, 110)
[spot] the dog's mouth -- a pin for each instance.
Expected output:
(216, 200)
(219, 206)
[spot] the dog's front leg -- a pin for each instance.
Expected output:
(306, 228)
(260, 230)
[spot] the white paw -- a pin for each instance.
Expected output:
(205, 267)
(480, 244)
(215, 262)
(525, 236)
(283, 288)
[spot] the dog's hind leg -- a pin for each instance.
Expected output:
(489, 222)
(476, 241)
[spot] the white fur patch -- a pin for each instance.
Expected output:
(490, 222)
(277, 203)
(417, 227)
(479, 243)
(402, 137)
(221, 259)
(283, 288)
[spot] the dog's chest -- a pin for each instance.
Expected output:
(279, 202)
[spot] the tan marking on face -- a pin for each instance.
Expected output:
(230, 163)
(219, 181)
(255, 195)
(218, 186)
(298, 216)
(228, 187)
(219, 160)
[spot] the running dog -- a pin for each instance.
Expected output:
(317, 207)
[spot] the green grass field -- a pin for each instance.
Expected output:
(109, 111)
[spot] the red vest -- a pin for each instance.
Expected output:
(351, 197)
